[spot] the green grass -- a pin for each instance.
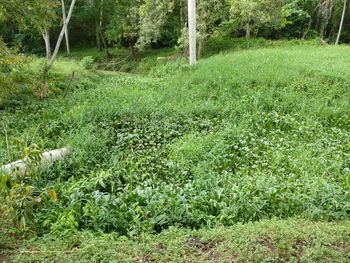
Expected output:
(269, 241)
(241, 137)
(215, 45)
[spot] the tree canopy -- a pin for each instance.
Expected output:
(140, 24)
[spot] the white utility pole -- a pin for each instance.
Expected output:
(192, 29)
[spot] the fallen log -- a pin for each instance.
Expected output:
(46, 158)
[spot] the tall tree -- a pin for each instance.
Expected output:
(325, 10)
(34, 14)
(139, 23)
(153, 15)
(211, 14)
(39, 15)
(125, 23)
(252, 14)
(98, 11)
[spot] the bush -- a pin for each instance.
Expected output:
(87, 62)
(13, 79)
(18, 195)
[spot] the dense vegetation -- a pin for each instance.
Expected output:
(132, 27)
(267, 134)
(242, 157)
(141, 24)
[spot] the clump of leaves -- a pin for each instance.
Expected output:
(87, 62)
(18, 195)
(11, 75)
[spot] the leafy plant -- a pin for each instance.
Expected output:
(12, 78)
(87, 62)
(18, 197)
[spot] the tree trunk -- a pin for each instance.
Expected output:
(201, 47)
(59, 41)
(323, 29)
(46, 36)
(66, 31)
(248, 30)
(98, 39)
(134, 52)
(306, 31)
(103, 40)
(341, 22)
(101, 14)
(22, 166)
(54, 56)
(182, 19)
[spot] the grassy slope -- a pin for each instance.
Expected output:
(254, 134)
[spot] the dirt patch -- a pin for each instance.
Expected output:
(161, 248)
(4, 258)
(211, 244)
(204, 246)
(204, 249)
(343, 248)
(267, 242)
(284, 250)
(194, 243)
(145, 258)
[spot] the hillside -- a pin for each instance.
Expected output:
(241, 137)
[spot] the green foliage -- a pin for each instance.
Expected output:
(36, 14)
(14, 79)
(21, 77)
(253, 14)
(240, 137)
(296, 20)
(280, 241)
(18, 197)
(153, 15)
(87, 62)
(141, 24)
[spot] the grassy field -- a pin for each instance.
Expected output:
(241, 137)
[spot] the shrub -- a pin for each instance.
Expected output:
(13, 79)
(18, 195)
(87, 62)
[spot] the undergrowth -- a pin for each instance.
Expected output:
(24, 81)
(120, 60)
(240, 137)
